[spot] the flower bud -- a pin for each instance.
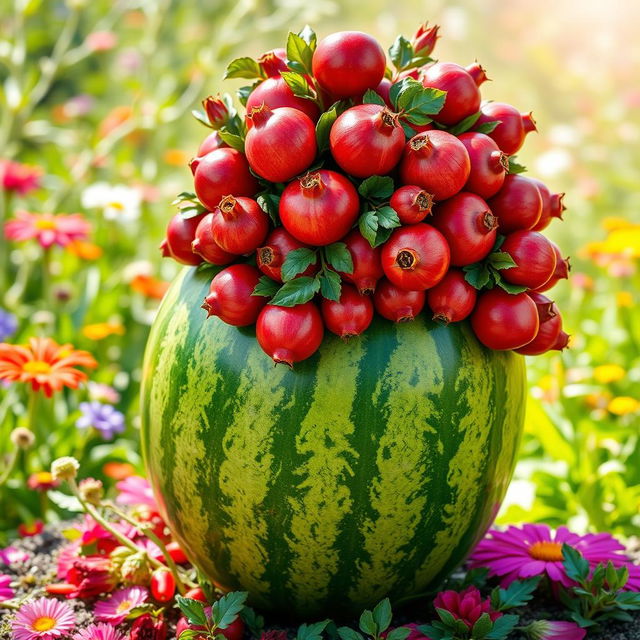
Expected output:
(65, 468)
(22, 438)
(273, 62)
(146, 627)
(135, 569)
(425, 39)
(91, 491)
(216, 111)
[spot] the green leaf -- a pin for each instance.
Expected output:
(233, 140)
(193, 610)
(296, 262)
(346, 633)
(464, 125)
(312, 631)
(189, 634)
(431, 632)
(226, 610)
(367, 624)
(399, 633)
(476, 577)
(518, 593)
(323, 128)
(502, 627)
(376, 187)
(597, 578)
(482, 626)
(446, 617)
(408, 131)
(243, 93)
(388, 218)
(424, 101)
(338, 256)
(309, 36)
(401, 53)
(266, 287)
(254, 621)
(382, 615)
(368, 225)
(501, 260)
(515, 167)
(244, 68)
(296, 291)
(299, 53)
(330, 285)
(575, 564)
(201, 117)
(395, 89)
(477, 275)
(508, 286)
(270, 204)
(371, 97)
(583, 622)
(629, 600)
(487, 127)
(297, 83)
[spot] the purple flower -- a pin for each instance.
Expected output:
(8, 325)
(103, 417)
(9, 555)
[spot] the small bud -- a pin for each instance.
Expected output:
(425, 40)
(135, 569)
(273, 62)
(148, 627)
(22, 438)
(91, 491)
(216, 111)
(65, 468)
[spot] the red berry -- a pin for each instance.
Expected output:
(415, 257)
(271, 256)
(488, 164)
(534, 257)
(196, 593)
(411, 203)
(396, 304)
(290, 334)
(163, 585)
(205, 246)
(513, 127)
(239, 225)
(350, 316)
(468, 225)
(181, 232)
(547, 336)
(561, 272)
(552, 205)
(367, 140)
(437, 162)
(504, 321)
(219, 172)
(230, 296)
(452, 299)
(367, 265)
(517, 205)
(281, 143)
(176, 553)
(276, 93)
(347, 63)
(319, 208)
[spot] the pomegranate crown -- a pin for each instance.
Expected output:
(216, 110)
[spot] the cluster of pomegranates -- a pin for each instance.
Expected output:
(349, 189)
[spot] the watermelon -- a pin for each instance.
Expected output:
(369, 470)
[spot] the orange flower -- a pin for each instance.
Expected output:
(149, 286)
(176, 157)
(84, 250)
(45, 364)
(118, 470)
(102, 330)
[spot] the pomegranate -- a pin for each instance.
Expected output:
(517, 205)
(290, 334)
(319, 208)
(274, 61)
(367, 265)
(347, 63)
(239, 225)
(275, 93)
(547, 335)
(205, 245)
(272, 255)
(281, 143)
(468, 225)
(503, 321)
(411, 203)
(230, 296)
(513, 127)
(367, 140)
(489, 165)
(534, 257)
(396, 304)
(543, 304)
(212, 142)
(561, 272)
(383, 90)
(552, 205)
(436, 161)
(180, 234)
(350, 316)
(452, 299)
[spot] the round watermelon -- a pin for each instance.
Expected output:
(369, 470)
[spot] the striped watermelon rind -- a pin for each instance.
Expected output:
(370, 470)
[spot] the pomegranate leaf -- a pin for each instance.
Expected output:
(515, 167)
(401, 53)
(266, 287)
(477, 275)
(309, 36)
(323, 128)
(408, 131)
(487, 127)
(192, 609)
(243, 93)
(376, 187)
(338, 256)
(371, 229)
(500, 260)
(507, 286)
(299, 54)
(298, 84)
(371, 97)
(330, 285)
(201, 117)
(244, 68)
(388, 218)
(418, 102)
(296, 291)
(297, 261)
(232, 139)
(269, 203)
(465, 125)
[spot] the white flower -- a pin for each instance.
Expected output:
(118, 202)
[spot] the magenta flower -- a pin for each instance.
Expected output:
(534, 550)
(18, 177)
(101, 41)
(554, 630)
(43, 619)
(46, 228)
(9, 555)
(99, 631)
(6, 592)
(466, 605)
(136, 490)
(121, 603)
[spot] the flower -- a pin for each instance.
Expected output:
(102, 392)
(103, 417)
(19, 178)
(98, 631)
(91, 575)
(6, 592)
(535, 550)
(116, 608)
(9, 555)
(65, 468)
(555, 630)
(467, 605)
(118, 202)
(607, 373)
(43, 619)
(8, 325)
(102, 330)
(91, 490)
(84, 250)
(101, 41)
(48, 229)
(135, 490)
(176, 157)
(41, 481)
(45, 364)
(623, 405)
(147, 627)
(22, 438)
(30, 529)
(149, 286)
(118, 470)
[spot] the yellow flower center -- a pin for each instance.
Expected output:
(546, 551)
(45, 225)
(36, 366)
(125, 605)
(44, 477)
(44, 623)
(116, 205)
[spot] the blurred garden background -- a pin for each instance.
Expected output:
(95, 102)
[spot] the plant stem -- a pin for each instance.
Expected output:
(10, 467)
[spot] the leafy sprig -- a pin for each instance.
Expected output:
(403, 55)
(189, 205)
(373, 624)
(486, 273)
(223, 613)
(378, 219)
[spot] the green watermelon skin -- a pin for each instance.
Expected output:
(369, 470)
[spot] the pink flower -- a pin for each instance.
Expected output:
(554, 630)
(99, 631)
(534, 550)
(136, 490)
(466, 605)
(9, 555)
(91, 575)
(101, 40)
(6, 592)
(43, 619)
(116, 608)
(46, 228)
(20, 178)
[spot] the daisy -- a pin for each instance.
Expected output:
(6, 592)
(534, 550)
(44, 364)
(116, 608)
(43, 619)
(118, 202)
(99, 631)
(48, 229)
